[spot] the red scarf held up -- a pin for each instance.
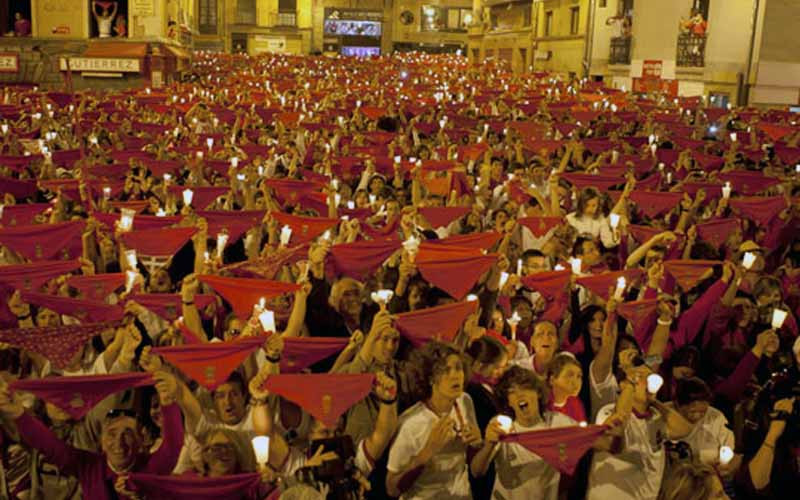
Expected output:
(243, 293)
(237, 486)
(23, 214)
(540, 226)
(84, 310)
(31, 277)
(562, 447)
(434, 323)
(97, 287)
(453, 269)
(210, 364)
(654, 203)
(642, 316)
(476, 241)
(301, 352)
(325, 396)
(169, 305)
(158, 242)
(304, 229)
(78, 395)
(442, 216)
(361, 258)
(758, 208)
(44, 241)
(688, 272)
(59, 344)
(599, 284)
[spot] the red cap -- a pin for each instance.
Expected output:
(45, 241)
(540, 226)
(759, 209)
(599, 284)
(158, 242)
(477, 241)
(442, 216)
(210, 364)
(434, 323)
(453, 269)
(361, 258)
(304, 229)
(97, 287)
(59, 344)
(78, 395)
(243, 293)
(301, 352)
(168, 305)
(655, 203)
(642, 316)
(86, 311)
(325, 396)
(688, 272)
(561, 447)
(717, 231)
(22, 215)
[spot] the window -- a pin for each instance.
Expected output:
(108, 19)
(246, 12)
(287, 12)
(287, 5)
(548, 23)
(603, 4)
(207, 17)
(8, 17)
(702, 7)
(435, 18)
(626, 7)
(574, 20)
(526, 15)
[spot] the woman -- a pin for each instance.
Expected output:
(488, 362)
(588, 218)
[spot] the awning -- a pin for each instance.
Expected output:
(178, 52)
(116, 49)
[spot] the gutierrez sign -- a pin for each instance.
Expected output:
(101, 64)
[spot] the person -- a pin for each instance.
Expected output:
(565, 379)
(120, 27)
(120, 443)
(692, 481)
(104, 18)
(429, 453)
(22, 27)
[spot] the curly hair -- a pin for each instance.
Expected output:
(688, 481)
(519, 378)
(429, 362)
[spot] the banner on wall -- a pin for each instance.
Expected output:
(143, 8)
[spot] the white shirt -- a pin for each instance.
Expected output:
(636, 472)
(601, 393)
(520, 473)
(597, 228)
(707, 435)
(446, 474)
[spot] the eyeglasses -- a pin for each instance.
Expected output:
(218, 448)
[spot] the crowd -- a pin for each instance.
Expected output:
(404, 276)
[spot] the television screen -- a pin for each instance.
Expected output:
(344, 27)
(361, 51)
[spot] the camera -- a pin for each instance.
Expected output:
(338, 474)
(759, 411)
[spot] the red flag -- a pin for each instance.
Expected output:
(59, 344)
(561, 447)
(540, 226)
(453, 269)
(45, 241)
(243, 293)
(210, 364)
(140, 222)
(78, 395)
(688, 272)
(361, 258)
(325, 396)
(759, 209)
(434, 323)
(84, 310)
(442, 216)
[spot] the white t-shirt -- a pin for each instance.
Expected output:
(708, 435)
(636, 472)
(521, 474)
(446, 475)
(601, 392)
(597, 228)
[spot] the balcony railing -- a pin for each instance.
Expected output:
(691, 50)
(620, 50)
(286, 19)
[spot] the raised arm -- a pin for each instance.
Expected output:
(386, 424)
(603, 360)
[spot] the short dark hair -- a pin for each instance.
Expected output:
(559, 362)
(692, 389)
(524, 379)
(235, 378)
(486, 350)
(531, 253)
(577, 248)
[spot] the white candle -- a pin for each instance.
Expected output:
(235, 162)
(326, 235)
(130, 278)
(505, 422)
(519, 267)
(382, 297)
(398, 159)
(576, 265)
(130, 258)
(161, 212)
(778, 317)
(472, 298)
(267, 320)
(503, 279)
(126, 219)
(748, 260)
(734, 137)
(651, 139)
(654, 383)
(725, 455)
(726, 190)
(188, 195)
(286, 235)
(620, 288)
(222, 240)
(614, 156)
(210, 142)
(106, 193)
(558, 267)
(613, 220)
(351, 205)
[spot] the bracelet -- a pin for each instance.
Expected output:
(664, 322)
(276, 359)
(387, 401)
(189, 303)
(24, 316)
(771, 446)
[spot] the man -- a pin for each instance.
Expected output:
(121, 443)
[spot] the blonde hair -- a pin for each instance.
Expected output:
(338, 289)
(244, 452)
(688, 481)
